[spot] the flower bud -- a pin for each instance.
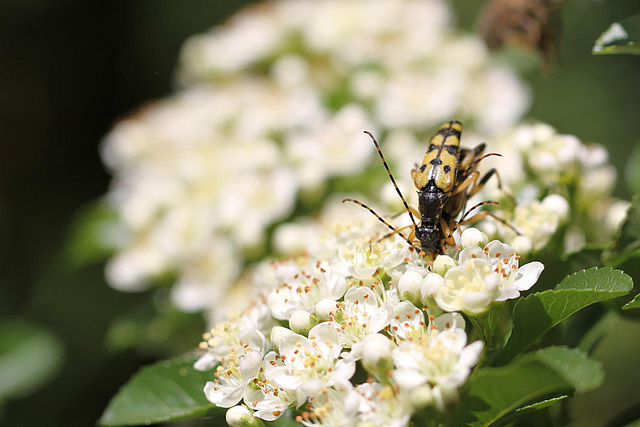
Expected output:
(301, 322)
(473, 237)
(376, 354)
(558, 205)
(278, 333)
(442, 263)
(522, 244)
(593, 155)
(430, 286)
(618, 211)
(325, 308)
(421, 397)
(241, 416)
(409, 286)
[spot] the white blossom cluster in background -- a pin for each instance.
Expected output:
(554, 181)
(358, 299)
(272, 106)
(401, 62)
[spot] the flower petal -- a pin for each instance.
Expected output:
(528, 275)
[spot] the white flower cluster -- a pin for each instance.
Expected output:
(552, 185)
(272, 106)
(370, 303)
(400, 61)
(559, 182)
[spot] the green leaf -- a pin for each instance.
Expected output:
(536, 314)
(620, 37)
(627, 243)
(29, 358)
(530, 381)
(165, 391)
(92, 235)
(634, 303)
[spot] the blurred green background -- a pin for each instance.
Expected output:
(71, 68)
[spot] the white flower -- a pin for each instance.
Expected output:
(597, 183)
(364, 259)
(239, 333)
(337, 148)
(233, 376)
(408, 322)
(361, 313)
(381, 405)
(470, 287)
(512, 279)
(193, 290)
(232, 48)
(558, 205)
(442, 361)
(535, 221)
(131, 269)
(267, 399)
(333, 406)
(308, 282)
(509, 98)
(418, 98)
(309, 364)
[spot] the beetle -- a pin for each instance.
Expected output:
(445, 179)
(435, 179)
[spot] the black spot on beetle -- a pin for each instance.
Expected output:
(452, 149)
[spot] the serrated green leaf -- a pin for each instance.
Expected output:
(91, 234)
(620, 37)
(165, 391)
(627, 243)
(29, 357)
(634, 303)
(531, 379)
(536, 314)
(597, 279)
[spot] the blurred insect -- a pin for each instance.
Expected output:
(528, 24)
(445, 180)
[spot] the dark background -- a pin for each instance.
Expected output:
(69, 69)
